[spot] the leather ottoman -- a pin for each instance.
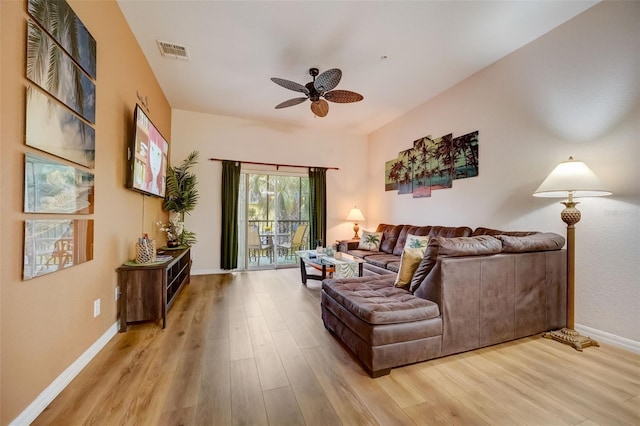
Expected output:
(384, 326)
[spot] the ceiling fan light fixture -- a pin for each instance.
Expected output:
(321, 86)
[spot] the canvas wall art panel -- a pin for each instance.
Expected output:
(52, 187)
(60, 22)
(406, 160)
(51, 68)
(441, 164)
(390, 173)
(466, 155)
(432, 164)
(52, 245)
(54, 129)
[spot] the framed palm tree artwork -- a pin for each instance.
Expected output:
(407, 160)
(52, 69)
(432, 164)
(465, 155)
(437, 165)
(391, 175)
(60, 21)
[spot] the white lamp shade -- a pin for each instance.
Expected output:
(571, 177)
(355, 215)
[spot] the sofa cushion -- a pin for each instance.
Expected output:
(370, 241)
(377, 301)
(460, 246)
(362, 253)
(537, 242)
(409, 262)
(381, 260)
(489, 231)
(394, 266)
(390, 235)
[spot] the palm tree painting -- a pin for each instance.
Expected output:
(424, 149)
(60, 21)
(432, 164)
(390, 176)
(52, 69)
(54, 129)
(443, 163)
(465, 156)
(407, 160)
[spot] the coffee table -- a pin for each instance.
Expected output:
(325, 264)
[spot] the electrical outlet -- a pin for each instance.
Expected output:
(117, 295)
(96, 308)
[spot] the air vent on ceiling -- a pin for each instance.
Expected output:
(172, 50)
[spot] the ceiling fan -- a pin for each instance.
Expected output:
(321, 87)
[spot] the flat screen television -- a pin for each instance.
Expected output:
(147, 157)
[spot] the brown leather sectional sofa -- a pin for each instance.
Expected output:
(471, 289)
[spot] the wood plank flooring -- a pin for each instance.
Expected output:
(250, 349)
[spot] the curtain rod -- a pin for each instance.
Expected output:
(277, 166)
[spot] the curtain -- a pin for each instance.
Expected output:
(318, 205)
(229, 240)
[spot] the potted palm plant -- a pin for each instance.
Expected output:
(181, 197)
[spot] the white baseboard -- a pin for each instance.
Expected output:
(53, 390)
(612, 339)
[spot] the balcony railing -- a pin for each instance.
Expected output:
(283, 233)
(285, 227)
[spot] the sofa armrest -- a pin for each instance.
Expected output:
(346, 245)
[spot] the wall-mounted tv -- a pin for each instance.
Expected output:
(147, 157)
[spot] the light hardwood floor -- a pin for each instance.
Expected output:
(251, 349)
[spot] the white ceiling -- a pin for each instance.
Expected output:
(236, 46)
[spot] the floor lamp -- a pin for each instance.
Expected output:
(571, 179)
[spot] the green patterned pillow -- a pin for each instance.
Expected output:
(370, 241)
(417, 241)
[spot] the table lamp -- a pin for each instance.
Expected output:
(355, 216)
(571, 179)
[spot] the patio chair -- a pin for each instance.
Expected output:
(256, 246)
(296, 242)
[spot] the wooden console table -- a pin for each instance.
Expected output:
(147, 291)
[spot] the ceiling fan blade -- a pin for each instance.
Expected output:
(327, 80)
(291, 85)
(290, 102)
(343, 96)
(320, 108)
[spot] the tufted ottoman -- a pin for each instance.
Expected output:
(384, 326)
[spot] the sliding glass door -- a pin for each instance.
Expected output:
(273, 219)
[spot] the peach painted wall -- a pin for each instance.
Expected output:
(47, 322)
(574, 91)
(242, 139)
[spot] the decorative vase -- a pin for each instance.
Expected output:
(173, 243)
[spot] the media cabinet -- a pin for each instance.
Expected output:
(147, 291)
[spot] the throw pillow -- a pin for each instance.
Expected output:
(370, 241)
(416, 241)
(409, 261)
